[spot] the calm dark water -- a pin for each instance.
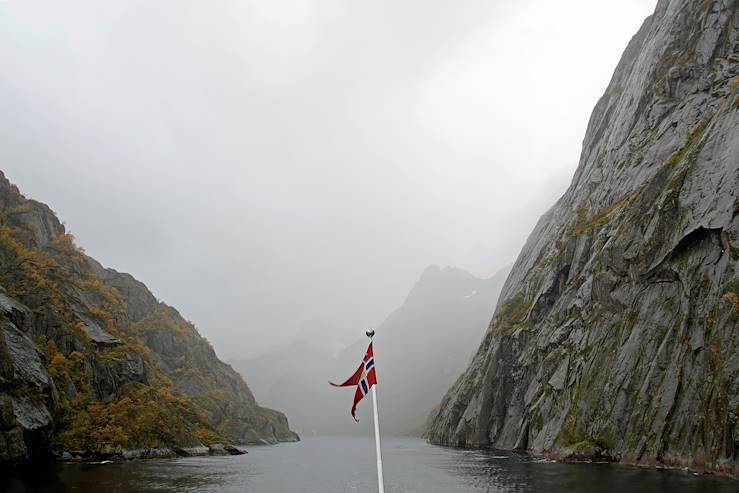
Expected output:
(347, 464)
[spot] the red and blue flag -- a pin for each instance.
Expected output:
(364, 378)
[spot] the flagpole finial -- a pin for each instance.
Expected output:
(370, 333)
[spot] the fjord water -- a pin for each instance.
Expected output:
(347, 464)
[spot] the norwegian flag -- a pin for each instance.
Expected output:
(364, 378)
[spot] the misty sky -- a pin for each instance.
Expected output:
(260, 164)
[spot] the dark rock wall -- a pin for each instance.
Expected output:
(616, 333)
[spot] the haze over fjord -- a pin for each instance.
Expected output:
(293, 160)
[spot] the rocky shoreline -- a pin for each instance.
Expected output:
(80, 456)
(599, 456)
(692, 465)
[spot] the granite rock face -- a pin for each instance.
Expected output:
(616, 333)
(91, 361)
(26, 406)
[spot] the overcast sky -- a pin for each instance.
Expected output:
(259, 164)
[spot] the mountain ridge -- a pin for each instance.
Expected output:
(91, 361)
(418, 348)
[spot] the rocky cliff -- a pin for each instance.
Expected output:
(91, 361)
(616, 333)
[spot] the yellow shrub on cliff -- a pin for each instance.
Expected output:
(207, 437)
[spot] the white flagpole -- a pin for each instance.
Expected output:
(380, 480)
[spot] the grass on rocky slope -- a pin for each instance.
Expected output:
(144, 409)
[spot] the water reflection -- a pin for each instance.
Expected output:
(503, 472)
(341, 464)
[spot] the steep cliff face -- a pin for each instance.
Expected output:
(616, 332)
(90, 360)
